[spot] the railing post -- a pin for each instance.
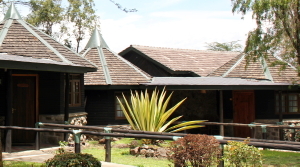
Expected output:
(77, 135)
(8, 142)
(252, 127)
(221, 164)
(264, 131)
(176, 164)
(37, 136)
(280, 131)
(66, 135)
(107, 145)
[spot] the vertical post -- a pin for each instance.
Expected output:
(1, 161)
(252, 127)
(221, 163)
(177, 162)
(107, 145)
(280, 115)
(37, 136)
(264, 131)
(221, 113)
(66, 114)
(8, 119)
(77, 135)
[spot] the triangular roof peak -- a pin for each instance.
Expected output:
(96, 40)
(12, 13)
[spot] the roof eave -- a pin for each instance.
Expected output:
(44, 67)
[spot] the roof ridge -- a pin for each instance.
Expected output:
(130, 64)
(35, 28)
(182, 49)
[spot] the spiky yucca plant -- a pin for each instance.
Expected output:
(151, 114)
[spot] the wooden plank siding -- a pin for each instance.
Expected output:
(264, 105)
(51, 92)
(2, 93)
(100, 106)
(146, 65)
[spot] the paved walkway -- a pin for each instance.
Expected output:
(42, 155)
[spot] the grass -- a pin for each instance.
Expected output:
(281, 159)
(121, 156)
(21, 164)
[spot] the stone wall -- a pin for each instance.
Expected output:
(52, 137)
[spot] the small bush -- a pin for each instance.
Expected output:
(73, 160)
(195, 150)
(240, 154)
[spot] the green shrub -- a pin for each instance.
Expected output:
(195, 150)
(73, 160)
(241, 154)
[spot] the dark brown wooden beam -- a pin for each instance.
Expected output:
(8, 119)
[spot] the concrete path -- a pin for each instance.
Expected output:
(42, 155)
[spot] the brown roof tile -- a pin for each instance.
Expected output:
(255, 70)
(120, 71)
(201, 62)
(20, 42)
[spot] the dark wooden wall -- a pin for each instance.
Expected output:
(51, 92)
(145, 65)
(264, 106)
(2, 93)
(100, 106)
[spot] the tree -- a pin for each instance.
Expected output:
(82, 14)
(45, 13)
(226, 46)
(277, 31)
(65, 20)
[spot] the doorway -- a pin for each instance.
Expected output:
(24, 106)
(243, 111)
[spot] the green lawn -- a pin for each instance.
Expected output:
(281, 159)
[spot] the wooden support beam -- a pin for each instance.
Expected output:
(8, 119)
(221, 112)
(66, 114)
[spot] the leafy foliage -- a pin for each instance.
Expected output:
(151, 114)
(45, 13)
(277, 31)
(195, 150)
(73, 159)
(82, 14)
(241, 154)
(226, 46)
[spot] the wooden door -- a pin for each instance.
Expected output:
(24, 107)
(244, 111)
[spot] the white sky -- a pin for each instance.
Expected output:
(186, 24)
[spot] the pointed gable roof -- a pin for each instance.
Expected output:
(22, 41)
(112, 68)
(173, 60)
(258, 70)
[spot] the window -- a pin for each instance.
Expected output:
(118, 109)
(289, 102)
(74, 90)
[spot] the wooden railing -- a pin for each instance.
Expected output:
(108, 132)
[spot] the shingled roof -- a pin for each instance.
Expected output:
(259, 70)
(200, 62)
(112, 68)
(27, 44)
